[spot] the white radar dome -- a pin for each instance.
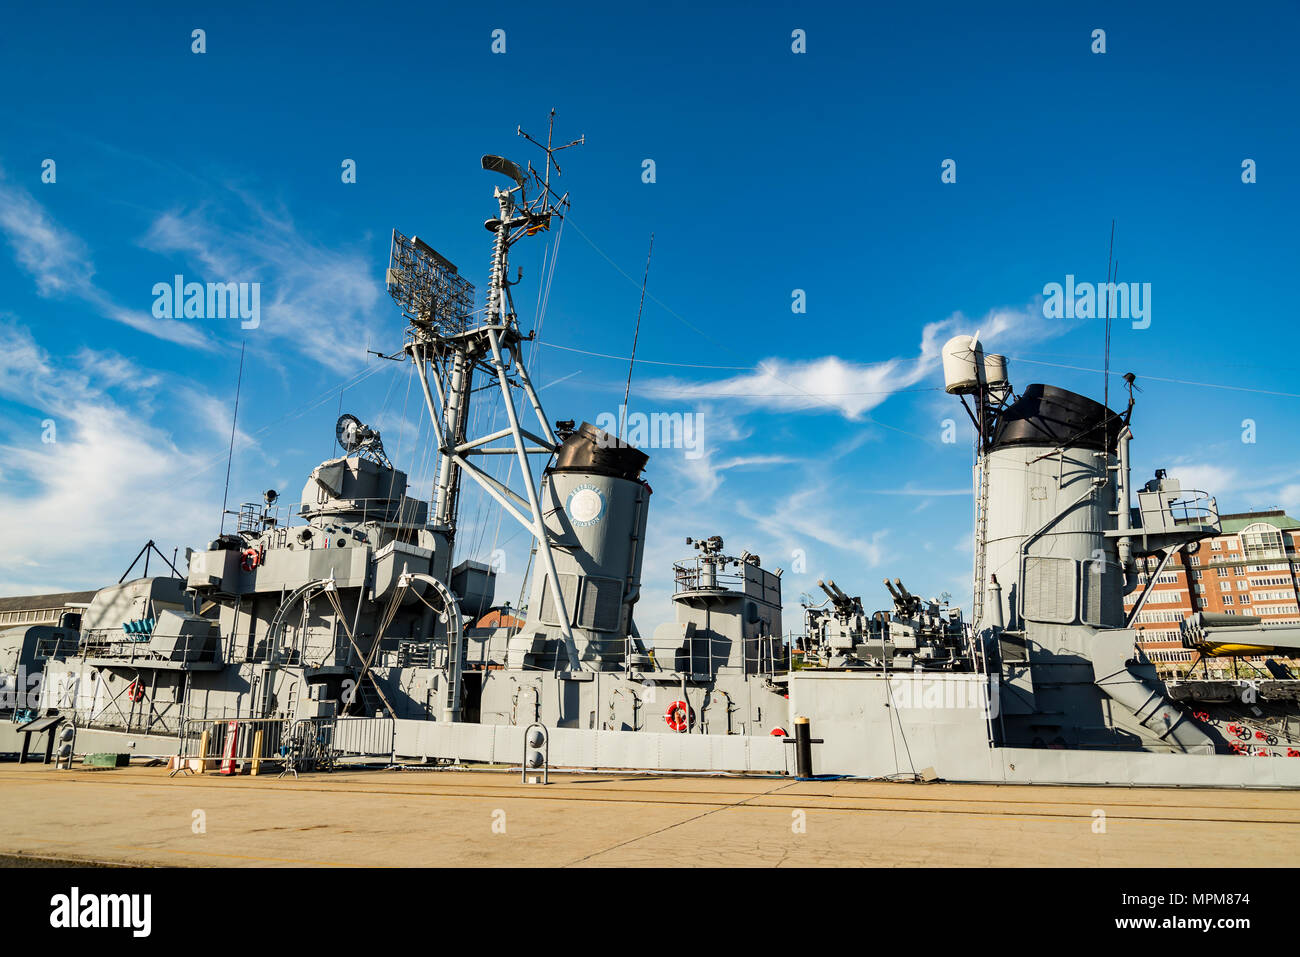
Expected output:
(963, 360)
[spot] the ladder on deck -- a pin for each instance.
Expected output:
(981, 532)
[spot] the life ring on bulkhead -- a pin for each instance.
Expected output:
(251, 559)
(136, 691)
(777, 732)
(679, 716)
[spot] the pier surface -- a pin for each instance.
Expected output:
(140, 816)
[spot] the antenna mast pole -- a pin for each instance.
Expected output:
(627, 390)
(230, 458)
(1110, 253)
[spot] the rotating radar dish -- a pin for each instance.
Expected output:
(348, 431)
(357, 438)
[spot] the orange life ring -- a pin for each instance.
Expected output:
(251, 559)
(136, 691)
(778, 732)
(679, 716)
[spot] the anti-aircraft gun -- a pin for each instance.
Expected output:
(917, 634)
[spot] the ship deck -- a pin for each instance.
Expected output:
(140, 816)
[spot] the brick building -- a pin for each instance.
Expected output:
(1248, 569)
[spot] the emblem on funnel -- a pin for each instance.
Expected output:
(586, 506)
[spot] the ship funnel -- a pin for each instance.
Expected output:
(595, 506)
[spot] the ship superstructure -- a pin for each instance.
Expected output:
(351, 607)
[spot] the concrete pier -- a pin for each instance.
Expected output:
(140, 816)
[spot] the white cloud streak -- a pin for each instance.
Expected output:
(321, 302)
(78, 507)
(61, 266)
(851, 389)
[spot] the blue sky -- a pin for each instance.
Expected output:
(775, 171)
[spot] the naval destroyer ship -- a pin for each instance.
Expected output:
(347, 626)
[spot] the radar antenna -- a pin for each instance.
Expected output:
(357, 438)
(457, 342)
(429, 289)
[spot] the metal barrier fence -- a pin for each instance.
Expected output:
(226, 745)
(360, 737)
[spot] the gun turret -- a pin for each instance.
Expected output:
(844, 605)
(906, 605)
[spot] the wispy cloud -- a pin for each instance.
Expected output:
(61, 265)
(854, 388)
(1240, 488)
(321, 301)
(813, 515)
(89, 477)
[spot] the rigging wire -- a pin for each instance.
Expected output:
(1109, 279)
(306, 407)
(652, 362)
(230, 458)
(689, 391)
(727, 348)
(1156, 378)
(622, 431)
(401, 503)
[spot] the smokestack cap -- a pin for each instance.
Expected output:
(596, 452)
(1046, 415)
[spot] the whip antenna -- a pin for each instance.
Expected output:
(233, 420)
(622, 429)
(1105, 389)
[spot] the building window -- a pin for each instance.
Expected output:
(1262, 540)
(1276, 609)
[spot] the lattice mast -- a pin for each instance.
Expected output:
(447, 334)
